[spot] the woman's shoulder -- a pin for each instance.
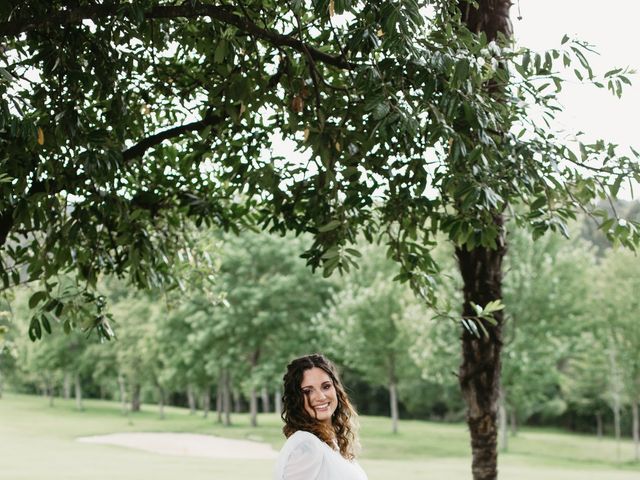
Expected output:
(303, 436)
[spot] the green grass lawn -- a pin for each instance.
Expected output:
(38, 442)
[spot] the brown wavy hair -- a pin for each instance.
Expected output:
(344, 423)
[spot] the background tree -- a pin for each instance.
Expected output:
(618, 286)
(364, 326)
(270, 296)
(547, 293)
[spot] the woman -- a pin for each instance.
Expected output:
(319, 423)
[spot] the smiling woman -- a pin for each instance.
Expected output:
(320, 424)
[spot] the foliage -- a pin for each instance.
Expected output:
(121, 121)
(547, 293)
(619, 304)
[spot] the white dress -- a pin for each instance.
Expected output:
(305, 457)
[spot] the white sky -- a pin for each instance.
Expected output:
(610, 26)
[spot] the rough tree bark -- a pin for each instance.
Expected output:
(479, 376)
(481, 270)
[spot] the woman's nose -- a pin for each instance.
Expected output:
(319, 395)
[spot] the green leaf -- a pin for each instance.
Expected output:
(333, 252)
(615, 187)
(332, 225)
(6, 75)
(46, 324)
(36, 298)
(221, 51)
(353, 252)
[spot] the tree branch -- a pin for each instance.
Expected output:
(145, 144)
(222, 14)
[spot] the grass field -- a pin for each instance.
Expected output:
(38, 442)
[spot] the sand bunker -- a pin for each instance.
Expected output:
(187, 444)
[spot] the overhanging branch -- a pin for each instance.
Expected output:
(222, 14)
(145, 144)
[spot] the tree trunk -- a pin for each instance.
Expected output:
(235, 395)
(66, 386)
(481, 270)
(277, 400)
(615, 385)
(513, 421)
(123, 393)
(49, 389)
(266, 405)
(393, 394)
(206, 400)
(503, 439)
(135, 398)
(636, 428)
(253, 407)
(219, 395)
(599, 425)
(393, 404)
(1, 384)
(616, 425)
(226, 399)
(191, 399)
(161, 401)
(78, 392)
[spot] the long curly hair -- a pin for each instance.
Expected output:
(344, 423)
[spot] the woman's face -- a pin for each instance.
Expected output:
(320, 398)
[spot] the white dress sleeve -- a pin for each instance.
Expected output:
(301, 458)
(305, 462)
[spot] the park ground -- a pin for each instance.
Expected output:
(38, 441)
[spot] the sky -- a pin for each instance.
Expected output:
(612, 27)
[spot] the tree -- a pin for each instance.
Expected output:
(619, 306)
(411, 125)
(547, 293)
(8, 350)
(271, 298)
(364, 326)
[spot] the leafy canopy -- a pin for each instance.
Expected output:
(122, 121)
